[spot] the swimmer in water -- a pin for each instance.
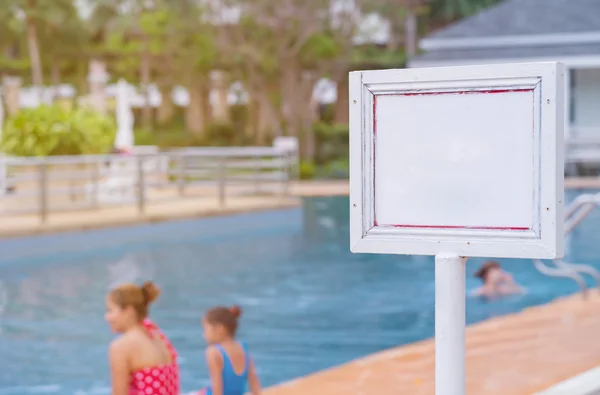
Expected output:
(142, 360)
(496, 281)
(229, 363)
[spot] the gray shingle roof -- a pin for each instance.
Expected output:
(528, 17)
(548, 51)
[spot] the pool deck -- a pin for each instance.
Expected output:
(519, 354)
(582, 183)
(190, 207)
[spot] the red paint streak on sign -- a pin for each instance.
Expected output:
(472, 92)
(374, 146)
(458, 227)
(488, 91)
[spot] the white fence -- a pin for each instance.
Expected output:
(53, 184)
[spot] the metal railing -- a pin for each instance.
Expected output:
(582, 150)
(65, 183)
(575, 213)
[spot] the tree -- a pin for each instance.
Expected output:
(12, 33)
(451, 10)
(62, 24)
(280, 50)
(192, 55)
(31, 17)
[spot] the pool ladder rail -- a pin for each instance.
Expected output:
(575, 213)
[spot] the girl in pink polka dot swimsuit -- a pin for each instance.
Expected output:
(142, 360)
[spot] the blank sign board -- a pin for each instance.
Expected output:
(465, 160)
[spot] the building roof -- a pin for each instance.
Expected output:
(528, 17)
(517, 29)
(543, 52)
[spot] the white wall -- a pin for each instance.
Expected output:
(586, 100)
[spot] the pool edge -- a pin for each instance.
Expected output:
(586, 383)
(497, 348)
(148, 219)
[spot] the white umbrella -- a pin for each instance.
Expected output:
(124, 138)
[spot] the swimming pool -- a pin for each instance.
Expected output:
(309, 303)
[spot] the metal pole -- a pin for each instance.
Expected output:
(257, 173)
(43, 186)
(222, 181)
(450, 324)
(141, 186)
(181, 174)
(287, 173)
(96, 171)
(3, 170)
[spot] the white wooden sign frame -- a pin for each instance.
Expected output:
(544, 239)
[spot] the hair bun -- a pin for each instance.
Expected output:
(236, 311)
(150, 291)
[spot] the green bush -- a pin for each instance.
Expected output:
(332, 143)
(167, 138)
(337, 169)
(225, 135)
(216, 134)
(144, 137)
(56, 130)
(240, 117)
(307, 170)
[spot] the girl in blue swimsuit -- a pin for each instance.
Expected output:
(231, 368)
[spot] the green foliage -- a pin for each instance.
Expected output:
(338, 168)
(451, 10)
(307, 170)
(332, 156)
(225, 134)
(171, 137)
(319, 47)
(373, 57)
(55, 130)
(216, 135)
(332, 143)
(203, 46)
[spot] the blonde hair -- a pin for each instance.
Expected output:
(139, 298)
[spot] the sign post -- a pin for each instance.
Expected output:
(457, 162)
(450, 324)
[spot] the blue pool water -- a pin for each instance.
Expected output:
(309, 303)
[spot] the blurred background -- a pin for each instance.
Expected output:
(212, 72)
(122, 112)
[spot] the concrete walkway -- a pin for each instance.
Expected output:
(196, 203)
(582, 183)
(520, 354)
(23, 225)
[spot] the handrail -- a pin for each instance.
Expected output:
(209, 152)
(58, 183)
(576, 217)
(564, 271)
(579, 268)
(579, 209)
(579, 201)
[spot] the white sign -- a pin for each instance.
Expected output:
(467, 160)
